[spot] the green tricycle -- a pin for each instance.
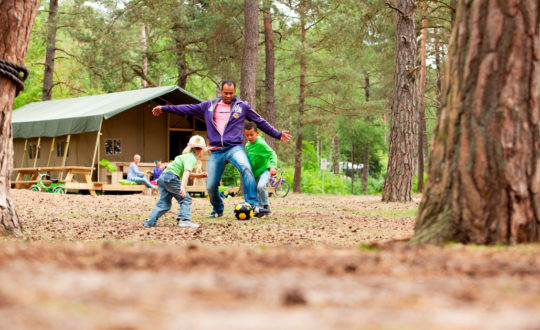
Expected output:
(55, 187)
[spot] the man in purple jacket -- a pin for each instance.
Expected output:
(224, 118)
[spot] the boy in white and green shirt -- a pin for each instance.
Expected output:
(173, 182)
(263, 161)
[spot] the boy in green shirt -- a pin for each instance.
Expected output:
(173, 181)
(263, 162)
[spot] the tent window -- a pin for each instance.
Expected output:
(61, 148)
(113, 147)
(32, 149)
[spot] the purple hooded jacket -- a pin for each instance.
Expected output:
(233, 134)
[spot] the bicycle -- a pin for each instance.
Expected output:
(281, 187)
(55, 187)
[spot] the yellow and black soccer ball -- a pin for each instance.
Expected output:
(243, 211)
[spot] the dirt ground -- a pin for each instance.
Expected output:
(319, 262)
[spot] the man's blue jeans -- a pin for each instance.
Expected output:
(216, 166)
(169, 187)
(262, 182)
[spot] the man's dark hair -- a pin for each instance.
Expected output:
(228, 82)
(248, 125)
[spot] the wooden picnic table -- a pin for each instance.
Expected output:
(21, 181)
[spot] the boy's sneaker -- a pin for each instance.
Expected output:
(215, 215)
(187, 223)
(146, 224)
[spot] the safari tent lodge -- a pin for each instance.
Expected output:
(68, 137)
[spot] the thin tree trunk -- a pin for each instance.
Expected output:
(301, 103)
(336, 154)
(484, 174)
(270, 113)
(421, 104)
(251, 49)
(365, 162)
(402, 150)
(439, 74)
(352, 163)
(50, 52)
(16, 21)
(144, 83)
(365, 170)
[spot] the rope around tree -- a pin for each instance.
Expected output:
(13, 71)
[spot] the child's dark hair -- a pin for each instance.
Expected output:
(248, 125)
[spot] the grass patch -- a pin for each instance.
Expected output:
(397, 214)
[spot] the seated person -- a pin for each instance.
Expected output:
(137, 176)
(156, 172)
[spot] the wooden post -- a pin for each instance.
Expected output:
(37, 151)
(96, 147)
(24, 152)
(66, 150)
(65, 155)
(51, 151)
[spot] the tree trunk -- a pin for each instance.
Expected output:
(421, 104)
(50, 52)
(336, 154)
(484, 174)
(402, 150)
(439, 74)
(144, 83)
(352, 164)
(16, 21)
(365, 170)
(301, 103)
(181, 62)
(251, 48)
(270, 113)
(365, 162)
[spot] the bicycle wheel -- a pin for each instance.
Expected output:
(282, 189)
(59, 190)
(35, 188)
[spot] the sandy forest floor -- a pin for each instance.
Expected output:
(319, 262)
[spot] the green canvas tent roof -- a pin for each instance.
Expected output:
(84, 114)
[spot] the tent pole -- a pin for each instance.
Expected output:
(95, 152)
(37, 151)
(24, 152)
(51, 151)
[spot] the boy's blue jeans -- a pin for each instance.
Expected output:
(169, 187)
(262, 182)
(235, 155)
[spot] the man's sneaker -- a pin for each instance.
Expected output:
(187, 223)
(268, 208)
(215, 215)
(259, 211)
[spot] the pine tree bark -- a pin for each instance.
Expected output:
(484, 173)
(50, 52)
(301, 104)
(421, 104)
(402, 150)
(251, 49)
(270, 112)
(16, 21)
